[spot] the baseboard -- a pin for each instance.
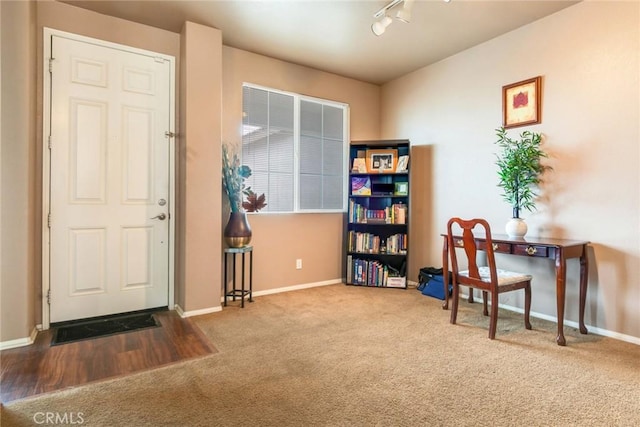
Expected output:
(592, 329)
(200, 312)
(297, 287)
(412, 284)
(21, 342)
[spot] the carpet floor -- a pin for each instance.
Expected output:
(351, 356)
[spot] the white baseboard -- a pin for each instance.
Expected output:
(297, 287)
(202, 311)
(412, 284)
(21, 342)
(592, 329)
(209, 310)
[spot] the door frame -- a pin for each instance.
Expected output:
(46, 159)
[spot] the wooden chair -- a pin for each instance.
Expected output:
(488, 278)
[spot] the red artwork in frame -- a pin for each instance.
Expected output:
(521, 103)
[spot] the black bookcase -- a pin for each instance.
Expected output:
(378, 213)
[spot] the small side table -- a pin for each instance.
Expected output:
(235, 292)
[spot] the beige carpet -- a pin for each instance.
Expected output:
(350, 356)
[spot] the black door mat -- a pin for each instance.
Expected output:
(104, 327)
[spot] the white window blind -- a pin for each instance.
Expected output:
(296, 148)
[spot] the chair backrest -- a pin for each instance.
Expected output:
(457, 227)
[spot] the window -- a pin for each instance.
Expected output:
(296, 147)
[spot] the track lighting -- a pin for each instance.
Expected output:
(403, 15)
(380, 26)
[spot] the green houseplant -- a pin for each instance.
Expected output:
(520, 172)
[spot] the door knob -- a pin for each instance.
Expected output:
(161, 217)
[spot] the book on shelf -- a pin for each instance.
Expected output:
(399, 213)
(373, 273)
(396, 244)
(364, 242)
(394, 214)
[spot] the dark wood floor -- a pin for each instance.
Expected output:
(40, 368)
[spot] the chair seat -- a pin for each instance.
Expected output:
(505, 277)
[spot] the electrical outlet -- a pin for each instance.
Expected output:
(298, 264)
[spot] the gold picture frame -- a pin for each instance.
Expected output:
(521, 104)
(382, 160)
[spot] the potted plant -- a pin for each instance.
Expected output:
(520, 172)
(237, 232)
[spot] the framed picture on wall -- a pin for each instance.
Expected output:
(521, 103)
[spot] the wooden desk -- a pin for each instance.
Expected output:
(538, 247)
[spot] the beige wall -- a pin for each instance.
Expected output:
(18, 271)
(588, 55)
(199, 180)
(280, 239)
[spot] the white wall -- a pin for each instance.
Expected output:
(588, 55)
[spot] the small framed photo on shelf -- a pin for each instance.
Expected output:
(401, 189)
(382, 161)
(521, 103)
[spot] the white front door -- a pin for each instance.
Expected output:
(109, 179)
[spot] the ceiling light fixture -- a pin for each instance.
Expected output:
(383, 11)
(404, 14)
(380, 26)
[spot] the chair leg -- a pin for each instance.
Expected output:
(484, 303)
(493, 320)
(454, 303)
(527, 305)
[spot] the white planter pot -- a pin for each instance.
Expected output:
(516, 227)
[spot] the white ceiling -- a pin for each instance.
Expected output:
(335, 35)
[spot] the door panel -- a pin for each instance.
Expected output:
(109, 248)
(87, 261)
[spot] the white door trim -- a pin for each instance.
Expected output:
(46, 160)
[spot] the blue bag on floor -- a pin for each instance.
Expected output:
(431, 282)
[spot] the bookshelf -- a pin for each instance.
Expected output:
(378, 214)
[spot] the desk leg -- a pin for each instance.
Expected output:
(584, 274)
(225, 279)
(445, 273)
(561, 276)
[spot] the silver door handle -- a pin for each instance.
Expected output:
(161, 217)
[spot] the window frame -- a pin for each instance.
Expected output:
(297, 98)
